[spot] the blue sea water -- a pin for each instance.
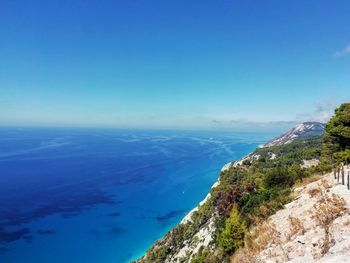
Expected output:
(103, 195)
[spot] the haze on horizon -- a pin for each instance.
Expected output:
(241, 65)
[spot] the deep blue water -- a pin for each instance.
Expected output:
(93, 195)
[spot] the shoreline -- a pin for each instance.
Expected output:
(225, 167)
(187, 217)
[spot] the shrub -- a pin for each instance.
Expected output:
(243, 255)
(205, 255)
(296, 227)
(314, 192)
(278, 176)
(261, 236)
(201, 256)
(325, 211)
(227, 199)
(232, 236)
(158, 254)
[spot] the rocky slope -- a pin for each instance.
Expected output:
(306, 129)
(300, 131)
(204, 235)
(298, 233)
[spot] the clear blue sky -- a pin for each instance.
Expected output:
(172, 64)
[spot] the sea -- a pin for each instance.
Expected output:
(83, 195)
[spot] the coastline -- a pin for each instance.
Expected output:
(157, 200)
(187, 217)
(205, 233)
(224, 168)
(202, 236)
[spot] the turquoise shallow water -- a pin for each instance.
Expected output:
(93, 195)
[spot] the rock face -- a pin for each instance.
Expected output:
(304, 242)
(303, 130)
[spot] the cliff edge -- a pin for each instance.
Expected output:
(288, 201)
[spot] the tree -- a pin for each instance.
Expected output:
(337, 134)
(232, 236)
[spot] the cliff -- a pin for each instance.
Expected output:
(266, 207)
(203, 232)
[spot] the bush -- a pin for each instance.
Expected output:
(232, 236)
(278, 176)
(157, 255)
(201, 256)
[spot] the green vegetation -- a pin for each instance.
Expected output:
(232, 235)
(246, 193)
(251, 192)
(158, 254)
(337, 136)
(201, 256)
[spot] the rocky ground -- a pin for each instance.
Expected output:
(298, 233)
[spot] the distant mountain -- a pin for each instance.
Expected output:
(303, 130)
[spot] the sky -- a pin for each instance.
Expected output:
(186, 64)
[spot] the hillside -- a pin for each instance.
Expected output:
(302, 130)
(250, 191)
(297, 233)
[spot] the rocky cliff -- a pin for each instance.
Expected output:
(197, 234)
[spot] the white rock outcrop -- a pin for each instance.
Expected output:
(305, 247)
